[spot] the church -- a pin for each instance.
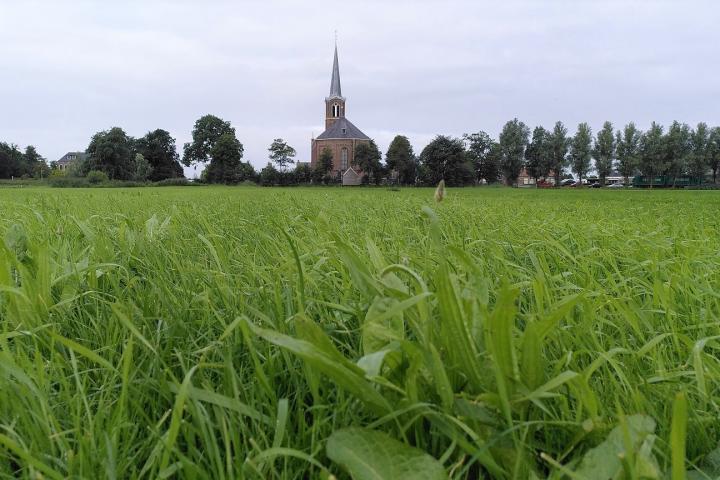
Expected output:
(340, 135)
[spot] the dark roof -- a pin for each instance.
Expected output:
(78, 156)
(335, 91)
(342, 128)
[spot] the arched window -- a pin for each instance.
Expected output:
(344, 159)
(336, 110)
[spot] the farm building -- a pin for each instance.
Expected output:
(69, 158)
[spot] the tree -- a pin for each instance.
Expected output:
(143, 169)
(12, 162)
(111, 152)
(480, 154)
(714, 152)
(367, 158)
(537, 154)
(444, 159)
(513, 140)
(580, 150)
(677, 149)
(206, 132)
(324, 166)
(558, 148)
(158, 148)
(628, 150)
(226, 155)
(700, 152)
(652, 153)
(35, 164)
(604, 152)
(303, 173)
(401, 158)
(281, 153)
(269, 175)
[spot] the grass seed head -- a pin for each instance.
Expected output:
(440, 191)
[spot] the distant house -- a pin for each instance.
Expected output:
(525, 180)
(69, 158)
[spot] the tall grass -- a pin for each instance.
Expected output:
(261, 333)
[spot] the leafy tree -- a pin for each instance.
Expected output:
(677, 149)
(143, 169)
(558, 148)
(401, 158)
(628, 150)
(206, 133)
(281, 153)
(604, 152)
(581, 150)
(537, 154)
(513, 140)
(700, 153)
(158, 148)
(714, 152)
(35, 164)
(97, 177)
(269, 175)
(481, 155)
(324, 169)
(652, 153)
(367, 158)
(225, 164)
(444, 159)
(111, 152)
(303, 173)
(12, 162)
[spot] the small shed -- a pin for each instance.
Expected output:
(351, 177)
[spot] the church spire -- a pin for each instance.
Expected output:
(335, 91)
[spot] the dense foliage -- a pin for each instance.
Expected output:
(263, 333)
(475, 158)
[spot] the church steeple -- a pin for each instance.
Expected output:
(335, 91)
(335, 102)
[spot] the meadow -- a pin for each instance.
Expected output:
(240, 332)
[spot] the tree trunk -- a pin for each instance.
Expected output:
(557, 178)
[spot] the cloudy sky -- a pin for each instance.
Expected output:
(418, 68)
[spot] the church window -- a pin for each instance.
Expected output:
(344, 130)
(344, 159)
(336, 110)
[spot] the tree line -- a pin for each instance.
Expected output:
(679, 151)
(471, 159)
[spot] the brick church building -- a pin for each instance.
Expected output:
(340, 135)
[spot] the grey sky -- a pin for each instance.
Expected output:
(418, 68)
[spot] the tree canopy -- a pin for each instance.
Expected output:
(537, 154)
(367, 158)
(112, 152)
(444, 159)
(401, 158)
(281, 153)
(206, 132)
(513, 140)
(604, 151)
(482, 152)
(158, 148)
(581, 150)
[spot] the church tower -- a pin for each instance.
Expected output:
(340, 135)
(335, 102)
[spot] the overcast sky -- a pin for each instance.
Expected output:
(421, 68)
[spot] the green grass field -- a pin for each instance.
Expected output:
(228, 333)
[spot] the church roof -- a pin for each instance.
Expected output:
(343, 128)
(335, 90)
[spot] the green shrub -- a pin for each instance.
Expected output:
(95, 177)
